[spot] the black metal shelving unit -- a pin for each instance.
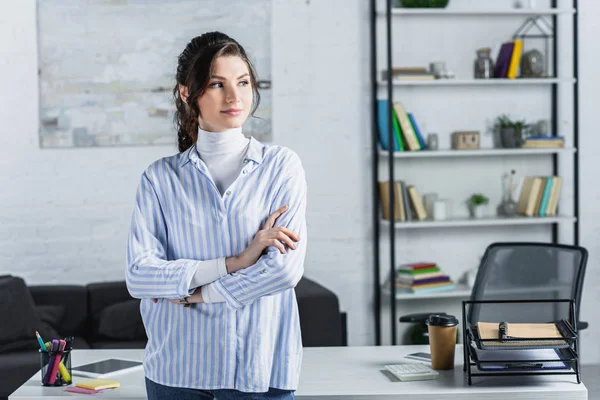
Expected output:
(377, 256)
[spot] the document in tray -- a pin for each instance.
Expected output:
(522, 359)
(528, 332)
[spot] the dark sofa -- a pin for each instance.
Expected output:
(104, 316)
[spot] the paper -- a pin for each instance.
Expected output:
(77, 389)
(97, 384)
(522, 359)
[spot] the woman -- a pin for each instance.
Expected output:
(220, 228)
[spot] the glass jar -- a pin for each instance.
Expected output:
(484, 65)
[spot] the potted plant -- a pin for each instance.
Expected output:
(510, 131)
(477, 203)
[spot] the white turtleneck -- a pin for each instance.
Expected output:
(223, 153)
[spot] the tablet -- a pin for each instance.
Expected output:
(107, 368)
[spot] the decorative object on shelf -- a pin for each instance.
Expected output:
(509, 206)
(534, 62)
(484, 65)
(423, 3)
(441, 210)
(477, 203)
(541, 127)
(428, 200)
(465, 140)
(510, 131)
(433, 141)
(438, 69)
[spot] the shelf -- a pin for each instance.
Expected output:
(477, 82)
(481, 11)
(461, 290)
(487, 221)
(477, 153)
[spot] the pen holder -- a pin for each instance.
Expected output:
(55, 368)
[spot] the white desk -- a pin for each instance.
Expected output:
(349, 373)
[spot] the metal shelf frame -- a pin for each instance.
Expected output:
(377, 156)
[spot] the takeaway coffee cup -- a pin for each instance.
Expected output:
(442, 340)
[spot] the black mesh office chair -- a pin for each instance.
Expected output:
(528, 271)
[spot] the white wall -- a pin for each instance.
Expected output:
(65, 213)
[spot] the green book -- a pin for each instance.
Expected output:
(418, 271)
(397, 130)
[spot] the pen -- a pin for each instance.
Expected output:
(502, 330)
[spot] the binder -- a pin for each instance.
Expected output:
(521, 336)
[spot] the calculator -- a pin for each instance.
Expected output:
(412, 371)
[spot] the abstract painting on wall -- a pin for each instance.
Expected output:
(107, 67)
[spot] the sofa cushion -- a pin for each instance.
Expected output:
(18, 309)
(122, 321)
(74, 300)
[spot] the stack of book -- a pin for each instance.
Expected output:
(422, 277)
(539, 196)
(543, 141)
(408, 74)
(408, 204)
(406, 134)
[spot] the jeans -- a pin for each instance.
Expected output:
(156, 391)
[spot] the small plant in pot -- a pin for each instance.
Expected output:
(511, 131)
(477, 203)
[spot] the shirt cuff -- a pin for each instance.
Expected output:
(208, 271)
(210, 295)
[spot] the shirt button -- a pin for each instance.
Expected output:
(244, 172)
(263, 271)
(228, 192)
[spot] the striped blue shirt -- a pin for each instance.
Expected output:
(251, 341)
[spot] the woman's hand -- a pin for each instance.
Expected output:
(267, 236)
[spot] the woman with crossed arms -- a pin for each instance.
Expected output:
(217, 242)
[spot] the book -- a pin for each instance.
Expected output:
(408, 212)
(384, 193)
(98, 384)
(406, 278)
(407, 131)
(435, 289)
(382, 121)
(515, 59)
(417, 131)
(416, 202)
(418, 271)
(503, 60)
(417, 265)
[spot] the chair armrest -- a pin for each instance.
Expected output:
(419, 317)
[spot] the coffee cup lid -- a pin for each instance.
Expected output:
(442, 320)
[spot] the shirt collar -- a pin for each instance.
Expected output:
(185, 157)
(255, 151)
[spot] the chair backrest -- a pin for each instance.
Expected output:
(528, 271)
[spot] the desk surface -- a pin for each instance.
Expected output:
(349, 373)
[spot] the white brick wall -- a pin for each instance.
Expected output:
(65, 213)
